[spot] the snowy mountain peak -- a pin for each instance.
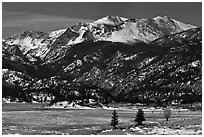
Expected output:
(175, 23)
(109, 28)
(57, 33)
(111, 20)
(160, 18)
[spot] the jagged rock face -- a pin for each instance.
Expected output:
(154, 68)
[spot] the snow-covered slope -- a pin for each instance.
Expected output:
(177, 25)
(57, 33)
(34, 43)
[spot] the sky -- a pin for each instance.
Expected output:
(49, 16)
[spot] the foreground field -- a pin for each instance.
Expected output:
(28, 119)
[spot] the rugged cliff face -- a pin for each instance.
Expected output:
(112, 59)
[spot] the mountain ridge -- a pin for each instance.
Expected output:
(75, 60)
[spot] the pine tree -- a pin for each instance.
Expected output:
(139, 117)
(114, 120)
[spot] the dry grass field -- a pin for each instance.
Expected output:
(29, 119)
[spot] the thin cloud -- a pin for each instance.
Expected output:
(13, 21)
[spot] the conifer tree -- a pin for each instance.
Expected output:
(139, 117)
(114, 120)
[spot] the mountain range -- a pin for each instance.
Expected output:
(148, 60)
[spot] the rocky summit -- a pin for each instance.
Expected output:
(148, 60)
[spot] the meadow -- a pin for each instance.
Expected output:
(35, 119)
